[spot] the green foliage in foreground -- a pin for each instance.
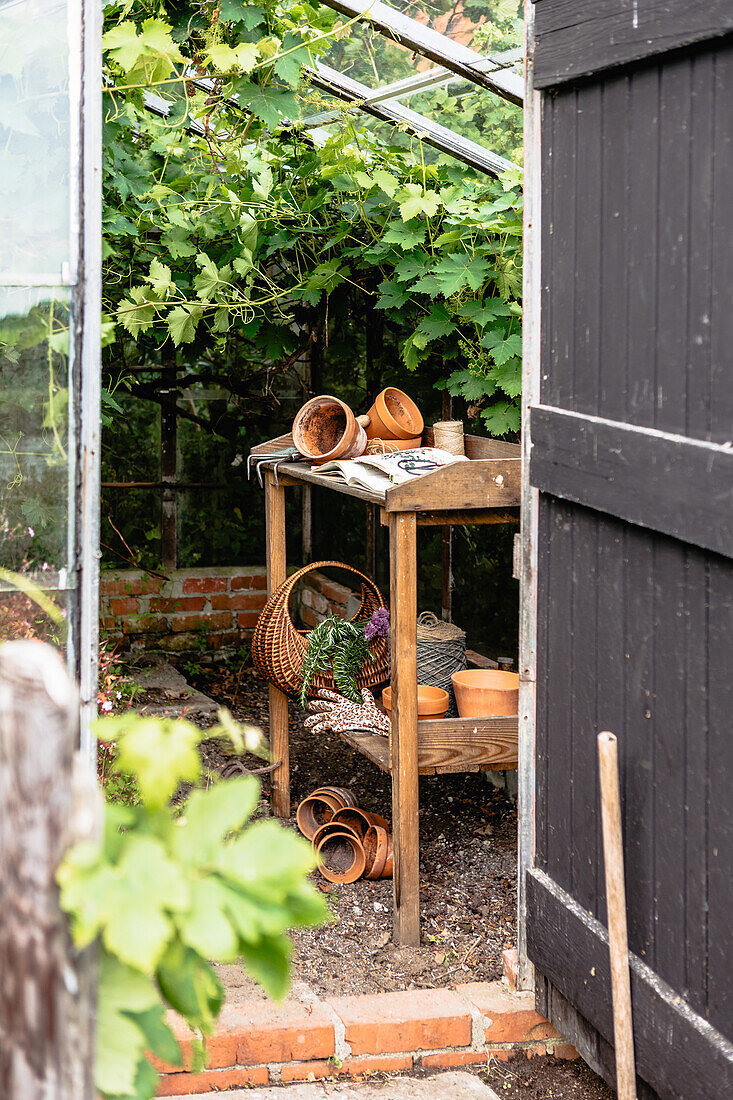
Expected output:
(169, 890)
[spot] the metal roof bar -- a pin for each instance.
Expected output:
(161, 107)
(435, 46)
(410, 85)
(439, 137)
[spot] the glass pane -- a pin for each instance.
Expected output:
(372, 58)
(487, 26)
(474, 113)
(38, 613)
(34, 433)
(34, 140)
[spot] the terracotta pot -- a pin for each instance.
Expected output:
(483, 692)
(432, 702)
(330, 828)
(343, 794)
(325, 428)
(341, 857)
(358, 820)
(378, 852)
(315, 810)
(394, 415)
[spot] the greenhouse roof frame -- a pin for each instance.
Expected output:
(489, 72)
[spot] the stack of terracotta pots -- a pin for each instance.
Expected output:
(325, 428)
(349, 842)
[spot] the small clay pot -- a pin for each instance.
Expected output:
(378, 852)
(394, 415)
(358, 820)
(341, 857)
(432, 702)
(484, 692)
(329, 829)
(316, 810)
(343, 794)
(325, 428)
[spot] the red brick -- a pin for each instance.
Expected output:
(308, 617)
(190, 1084)
(247, 620)
(144, 624)
(220, 620)
(128, 605)
(178, 603)
(566, 1051)
(132, 586)
(421, 1019)
(510, 966)
(335, 593)
(362, 1067)
(536, 1051)
(217, 641)
(205, 584)
(510, 1017)
(245, 601)
(306, 1071)
(108, 622)
(283, 1033)
(252, 580)
(455, 1058)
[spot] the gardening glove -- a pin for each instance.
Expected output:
(331, 711)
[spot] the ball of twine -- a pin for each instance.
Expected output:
(448, 435)
(441, 651)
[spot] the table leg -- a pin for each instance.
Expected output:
(276, 574)
(404, 762)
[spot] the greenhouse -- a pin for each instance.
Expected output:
(365, 592)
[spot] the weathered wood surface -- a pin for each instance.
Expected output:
(613, 862)
(670, 483)
(449, 745)
(276, 575)
(46, 988)
(480, 483)
(404, 736)
(575, 39)
(679, 1053)
(634, 627)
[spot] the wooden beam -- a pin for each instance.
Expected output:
(682, 487)
(404, 736)
(531, 373)
(435, 46)
(483, 483)
(276, 575)
(47, 987)
(574, 40)
(678, 1052)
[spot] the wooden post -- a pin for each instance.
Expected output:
(169, 467)
(446, 539)
(47, 989)
(403, 740)
(613, 858)
(276, 574)
(307, 524)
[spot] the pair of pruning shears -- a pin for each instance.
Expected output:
(273, 460)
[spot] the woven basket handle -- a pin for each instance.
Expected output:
(290, 583)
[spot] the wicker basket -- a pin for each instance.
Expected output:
(279, 649)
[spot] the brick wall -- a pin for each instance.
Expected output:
(211, 608)
(204, 608)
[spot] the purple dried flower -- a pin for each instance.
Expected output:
(378, 625)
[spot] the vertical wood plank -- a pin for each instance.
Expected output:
(168, 467)
(403, 747)
(307, 524)
(721, 317)
(276, 575)
(47, 989)
(531, 370)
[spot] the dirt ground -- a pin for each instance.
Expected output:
(468, 835)
(468, 879)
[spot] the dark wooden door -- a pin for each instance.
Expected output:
(631, 451)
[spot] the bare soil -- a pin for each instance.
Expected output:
(468, 840)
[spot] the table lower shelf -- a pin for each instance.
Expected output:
(450, 745)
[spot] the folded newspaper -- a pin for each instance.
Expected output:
(377, 473)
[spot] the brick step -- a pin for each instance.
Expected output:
(260, 1043)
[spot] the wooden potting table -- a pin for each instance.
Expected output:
(484, 490)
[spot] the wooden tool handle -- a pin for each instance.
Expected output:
(613, 857)
(365, 420)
